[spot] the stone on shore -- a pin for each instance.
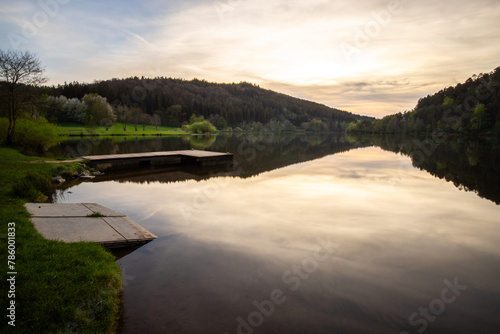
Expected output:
(58, 180)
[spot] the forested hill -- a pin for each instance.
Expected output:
(242, 104)
(470, 107)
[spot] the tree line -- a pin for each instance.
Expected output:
(173, 101)
(468, 108)
(158, 101)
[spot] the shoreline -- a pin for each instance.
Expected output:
(60, 286)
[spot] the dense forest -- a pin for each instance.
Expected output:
(468, 108)
(172, 102)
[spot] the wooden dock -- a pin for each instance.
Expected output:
(203, 158)
(73, 223)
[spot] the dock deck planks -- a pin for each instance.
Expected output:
(204, 158)
(184, 153)
(70, 223)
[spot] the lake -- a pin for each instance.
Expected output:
(309, 234)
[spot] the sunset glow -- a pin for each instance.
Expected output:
(367, 57)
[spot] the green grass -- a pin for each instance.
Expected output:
(60, 287)
(117, 130)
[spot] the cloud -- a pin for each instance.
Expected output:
(291, 46)
(140, 38)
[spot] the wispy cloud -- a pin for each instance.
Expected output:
(140, 38)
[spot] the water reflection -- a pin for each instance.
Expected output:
(253, 153)
(226, 246)
(471, 165)
(167, 174)
(201, 142)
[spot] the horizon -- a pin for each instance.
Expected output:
(371, 58)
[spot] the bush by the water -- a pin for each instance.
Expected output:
(202, 127)
(37, 134)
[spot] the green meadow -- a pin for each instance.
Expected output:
(59, 287)
(117, 130)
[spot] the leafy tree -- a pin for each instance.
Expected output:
(256, 127)
(196, 119)
(99, 111)
(448, 102)
(221, 123)
(478, 116)
(19, 72)
(317, 125)
(352, 127)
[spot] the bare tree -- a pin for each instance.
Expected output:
(156, 121)
(146, 119)
(123, 115)
(18, 71)
(135, 116)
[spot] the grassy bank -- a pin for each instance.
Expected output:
(117, 130)
(59, 287)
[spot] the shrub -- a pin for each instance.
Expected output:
(36, 134)
(202, 127)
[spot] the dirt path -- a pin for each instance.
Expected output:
(57, 161)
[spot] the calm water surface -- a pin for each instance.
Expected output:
(354, 242)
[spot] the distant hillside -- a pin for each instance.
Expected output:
(470, 107)
(242, 104)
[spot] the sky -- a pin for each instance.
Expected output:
(370, 57)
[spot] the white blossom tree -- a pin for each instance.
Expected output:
(76, 110)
